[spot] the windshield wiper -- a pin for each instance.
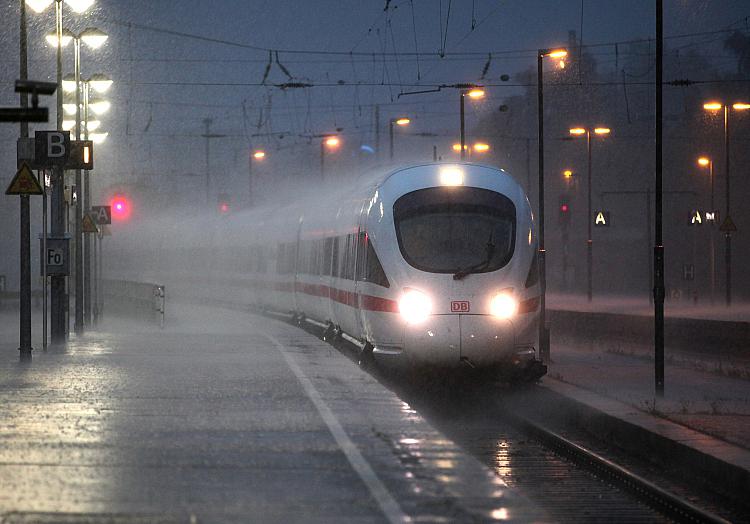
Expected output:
(482, 265)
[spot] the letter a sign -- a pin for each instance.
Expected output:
(51, 148)
(101, 214)
(601, 219)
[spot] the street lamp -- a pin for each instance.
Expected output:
(258, 156)
(475, 93)
(576, 132)
(402, 121)
(58, 306)
(93, 38)
(717, 106)
(328, 142)
(708, 162)
(543, 329)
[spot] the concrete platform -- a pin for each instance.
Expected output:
(222, 417)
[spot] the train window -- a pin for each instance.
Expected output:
(455, 229)
(327, 256)
(361, 251)
(347, 268)
(375, 272)
(335, 258)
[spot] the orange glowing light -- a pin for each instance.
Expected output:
(332, 141)
(704, 161)
(577, 131)
(713, 106)
(481, 147)
(476, 93)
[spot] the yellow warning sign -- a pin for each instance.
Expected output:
(24, 183)
(87, 225)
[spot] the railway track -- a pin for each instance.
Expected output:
(564, 475)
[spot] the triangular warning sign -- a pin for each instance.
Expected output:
(87, 225)
(24, 183)
(728, 225)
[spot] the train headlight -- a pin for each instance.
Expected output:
(414, 306)
(503, 305)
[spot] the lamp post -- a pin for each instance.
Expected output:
(402, 121)
(598, 131)
(708, 162)
(255, 156)
(475, 94)
(330, 142)
(94, 38)
(715, 107)
(543, 330)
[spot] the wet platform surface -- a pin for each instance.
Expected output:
(223, 417)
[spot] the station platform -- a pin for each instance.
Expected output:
(602, 358)
(223, 416)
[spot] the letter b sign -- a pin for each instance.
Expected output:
(51, 148)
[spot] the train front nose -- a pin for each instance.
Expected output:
(450, 340)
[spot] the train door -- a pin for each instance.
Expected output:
(342, 293)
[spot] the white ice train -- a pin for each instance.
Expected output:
(426, 265)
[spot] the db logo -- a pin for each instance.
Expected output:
(460, 306)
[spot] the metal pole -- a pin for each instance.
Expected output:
(101, 275)
(390, 133)
(322, 159)
(87, 209)
(713, 236)
(95, 277)
(434, 153)
(544, 348)
(58, 296)
(250, 177)
(44, 260)
(377, 131)
(78, 324)
(650, 257)
(24, 326)
(728, 235)
(658, 242)
(590, 241)
(463, 132)
(207, 123)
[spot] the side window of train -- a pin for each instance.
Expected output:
(327, 256)
(347, 269)
(335, 257)
(375, 272)
(361, 274)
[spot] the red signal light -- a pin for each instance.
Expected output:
(564, 208)
(224, 207)
(120, 207)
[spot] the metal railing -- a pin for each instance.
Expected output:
(140, 299)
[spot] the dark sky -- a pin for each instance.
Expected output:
(159, 114)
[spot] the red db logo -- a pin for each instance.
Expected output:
(460, 306)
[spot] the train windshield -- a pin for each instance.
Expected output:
(458, 230)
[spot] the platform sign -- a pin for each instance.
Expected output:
(51, 148)
(695, 218)
(601, 219)
(688, 272)
(57, 256)
(711, 217)
(24, 183)
(88, 224)
(101, 214)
